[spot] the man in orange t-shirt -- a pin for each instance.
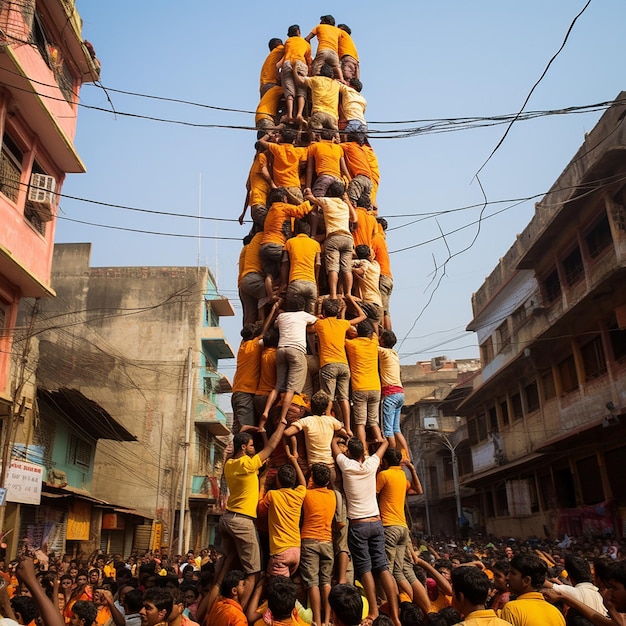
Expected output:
(325, 162)
(385, 280)
(303, 255)
(296, 60)
(348, 56)
(246, 377)
(227, 611)
(269, 73)
(327, 46)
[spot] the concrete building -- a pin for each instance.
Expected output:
(545, 418)
(114, 350)
(437, 437)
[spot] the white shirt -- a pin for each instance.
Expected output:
(292, 327)
(587, 593)
(359, 484)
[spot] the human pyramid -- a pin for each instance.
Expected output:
(316, 363)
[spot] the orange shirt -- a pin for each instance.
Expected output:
(248, 366)
(259, 187)
(242, 260)
(327, 156)
(327, 36)
(267, 380)
(252, 260)
(346, 45)
(268, 105)
(318, 512)
(286, 161)
(363, 359)
(331, 333)
(356, 158)
(303, 252)
(391, 487)
(366, 228)
(297, 49)
(276, 216)
(226, 612)
(373, 159)
(381, 253)
(269, 73)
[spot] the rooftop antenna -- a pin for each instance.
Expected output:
(199, 217)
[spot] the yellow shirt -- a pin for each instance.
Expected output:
(324, 95)
(268, 105)
(252, 260)
(259, 187)
(331, 333)
(284, 507)
(302, 252)
(353, 104)
(391, 487)
(363, 358)
(389, 366)
(327, 36)
(486, 617)
(242, 479)
(530, 609)
(297, 49)
(327, 156)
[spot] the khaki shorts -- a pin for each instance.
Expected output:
(290, 369)
(239, 534)
(320, 119)
(397, 542)
(307, 290)
(365, 406)
(317, 559)
(284, 563)
(290, 88)
(338, 251)
(385, 286)
(335, 380)
(325, 55)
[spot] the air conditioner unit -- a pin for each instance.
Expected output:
(436, 363)
(42, 188)
(430, 423)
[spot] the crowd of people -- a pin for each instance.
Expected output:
(479, 582)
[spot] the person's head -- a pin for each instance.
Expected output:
(327, 19)
(451, 615)
(331, 307)
(356, 138)
(326, 70)
(232, 585)
(274, 42)
(345, 28)
(383, 223)
(190, 594)
(156, 607)
(355, 448)
(94, 576)
(616, 585)
(470, 587)
(73, 572)
(25, 609)
(319, 402)
(288, 135)
(295, 302)
(411, 614)
(276, 195)
(293, 31)
(357, 85)
(281, 596)
(346, 605)
(336, 189)
(382, 620)
(327, 134)
(250, 331)
(320, 473)
(83, 613)
(270, 338)
(287, 477)
(500, 571)
(178, 604)
(527, 573)
(392, 457)
(444, 567)
(388, 339)
(363, 251)
(133, 600)
(65, 583)
(303, 228)
(578, 569)
(81, 577)
(365, 328)
(243, 444)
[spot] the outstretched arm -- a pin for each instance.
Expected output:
(49, 613)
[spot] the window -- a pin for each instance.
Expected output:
(504, 411)
(593, 358)
(481, 422)
(65, 80)
(599, 237)
(532, 397)
(573, 266)
(567, 374)
(210, 317)
(10, 168)
(547, 382)
(79, 452)
(472, 431)
(552, 286)
(486, 351)
(464, 460)
(617, 337)
(518, 411)
(502, 504)
(504, 335)
(493, 420)
(33, 217)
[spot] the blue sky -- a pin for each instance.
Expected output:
(419, 60)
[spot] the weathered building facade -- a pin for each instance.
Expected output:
(545, 418)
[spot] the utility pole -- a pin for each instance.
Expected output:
(455, 474)
(187, 443)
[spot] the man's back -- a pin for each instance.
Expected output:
(531, 609)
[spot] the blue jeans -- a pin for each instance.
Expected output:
(392, 405)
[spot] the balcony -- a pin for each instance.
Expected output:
(211, 417)
(214, 343)
(204, 487)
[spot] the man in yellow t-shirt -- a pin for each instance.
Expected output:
(237, 528)
(324, 98)
(266, 116)
(257, 188)
(303, 255)
(283, 507)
